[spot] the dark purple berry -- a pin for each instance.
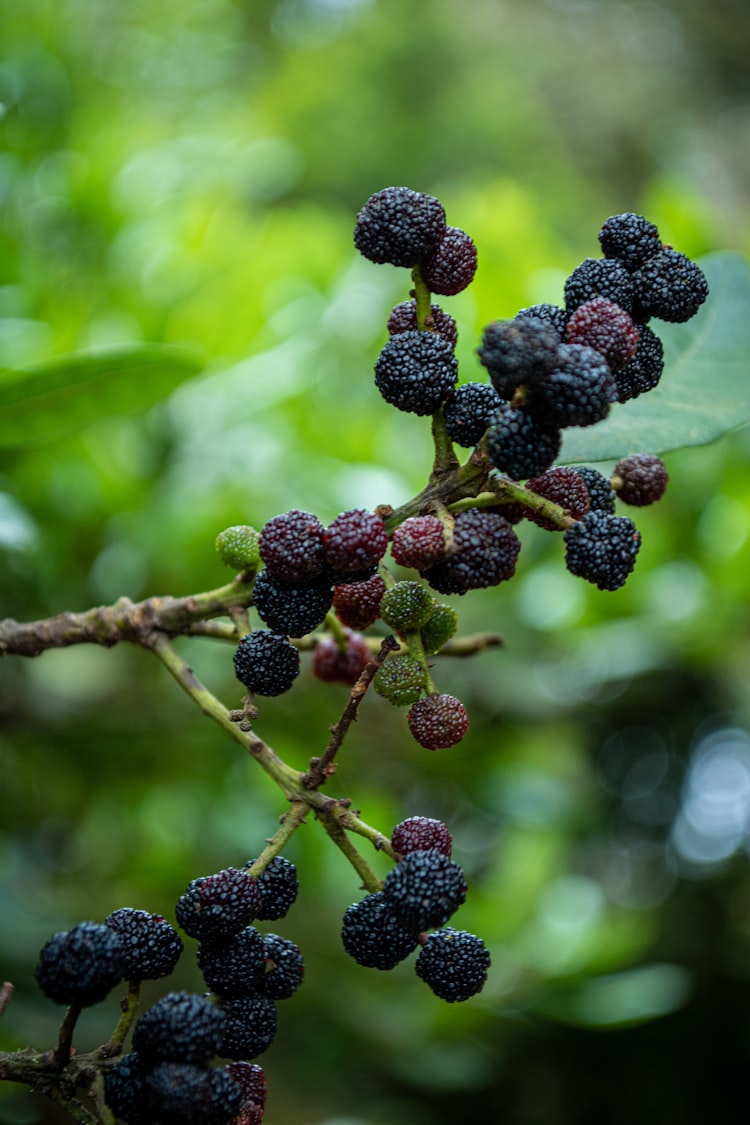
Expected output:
(599, 277)
(357, 605)
(291, 546)
(602, 325)
(253, 1082)
(485, 551)
(266, 663)
(564, 487)
(399, 226)
(630, 238)
(420, 833)
(454, 964)
(418, 542)
(438, 721)
(518, 353)
(669, 286)
(335, 665)
(215, 907)
(374, 936)
(179, 1027)
(355, 539)
(416, 371)
(403, 318)
(518, 445)
(601, 494)
(468, 410)
(152, 947)
(291, 608)
(424, 889)
(640, 479)
(452, 264)
(602, 549)
(579, 392)
(82, 965)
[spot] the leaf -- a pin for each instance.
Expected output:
(705, 389)
(44, 402)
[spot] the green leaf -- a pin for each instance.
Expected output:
(44, 402)
(705, 389)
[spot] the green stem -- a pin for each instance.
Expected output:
(421, 299)
(290, 822)
(65, 1038)
(337, 833)
(129, 1006)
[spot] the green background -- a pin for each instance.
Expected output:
(188, 175)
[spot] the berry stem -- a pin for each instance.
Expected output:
(129, 1006)
(65, 1037)
(337, 631)
(422, 300)
(335, 830)
(290, 822)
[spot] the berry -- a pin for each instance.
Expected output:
(266, 663)
(604, 326)
(485, 553)
(518, 445)
(179, 1027)
(249, 1027)
(291, 546)
(233, 967)
(452, 264)
(453, 963)
(284, 967)
(640, 479)
(424, 889)
(438, 721)
(291, 608)
(403, 318)
(374, 936)
(152, 947)
(125, 1090)
(358, 604)
(467, 412)
(278, 886)
(180, 1093)
(82, 965)
(602, 549)
(601, 492)
(406, 607)
(253, 1082)
(335, 665)
(599, 277)
(418, 542)
(644, 370)
(420, 833)
(439, 629)
(669, 286)
(564, 487)
(630, 238)
(518, 353)
(355, 540)
(238, 547)
(416, 371)
(552, 315)
(579, 392)
(215, 907)
(399, 226)
(400, 679)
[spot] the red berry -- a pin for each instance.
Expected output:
(564, 487)
(602, 325)
(403, 318)
(438, 721)
(418, 833)
(357, 604)
(453, 263)
(642, 479)
(334, 665)
(418, 542)
(355, 540)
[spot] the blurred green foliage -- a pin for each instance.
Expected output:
(187, 174)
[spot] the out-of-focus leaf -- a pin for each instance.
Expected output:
(41, 403)
(705, 389)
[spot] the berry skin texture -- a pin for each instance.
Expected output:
(418, 542)
(602, 549)
(249, 1028)
(601, 492)
(564, 487)
(278, 886)
(485, 553)
(233, 967)
(82, 965)
(670, 287)
(599, 277)
(215, 907)
(400, 679)
(454, 963)
(644, 370)
(579, 392)
(251, 1078)
(419, 833)
(424, 889)
(519, 446)
(406, 607)
(238, 547)
(284, 967)
(438, 721)
(468, 410)
(180, 1027)
(125, 1090)
(291, 546)
(357, 604)
(439, 629)
(180, 1093)
(399, 226)
(629, 238)
(355, 540)
(290, 608)
(334, 665)
(152, 947)
(416, 371)
(552, 315)
(518, 352)
(640, 479)
(266, 663)
(604, 326)
(403, 318)
(452, 264)
(374, 936)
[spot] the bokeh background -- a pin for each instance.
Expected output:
(189, 173)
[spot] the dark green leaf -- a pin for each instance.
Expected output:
(705, 388)
(42, 403)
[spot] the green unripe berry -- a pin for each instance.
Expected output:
(440, 627)
(406, 607)
(238, 548)
(400, 680)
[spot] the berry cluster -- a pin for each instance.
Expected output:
(420, 893)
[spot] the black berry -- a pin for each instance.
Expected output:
(179, 1027)
(644, 370)
(416, 371)
(399, 226)
(630, 238)
(602, 549)
(468, 410)
(152, 947)
(669, 286)
(601, 493)
(82, 965)
(284, 967)
(599, 277)
(518, 353)
(278, 886)
(579, 392)
(266, 663)
(125, 1090)
(215, 907)
(519, 446)
(485, 552)
(602, 325)
(553, 315)
(374, 936)
(249, 1027)
(424, 889)
(453, 963)
(291, 608)
(233, 967)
